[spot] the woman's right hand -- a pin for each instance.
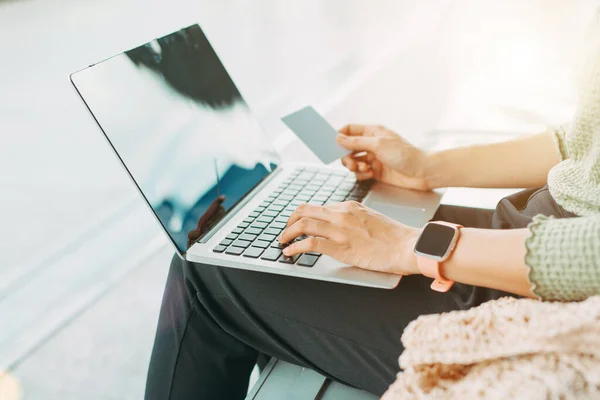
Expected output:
(381, 154)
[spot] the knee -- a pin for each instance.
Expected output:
(192, 277)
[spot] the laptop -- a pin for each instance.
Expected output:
(199, 158)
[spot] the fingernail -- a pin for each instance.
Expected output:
(286, 251)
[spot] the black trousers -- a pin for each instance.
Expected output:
(215, 321)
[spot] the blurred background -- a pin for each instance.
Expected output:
(82, 261)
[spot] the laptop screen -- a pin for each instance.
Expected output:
(181, 128)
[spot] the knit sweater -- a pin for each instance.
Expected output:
(503, 349)
(563, 255)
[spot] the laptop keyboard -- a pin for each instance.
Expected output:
(257, 236)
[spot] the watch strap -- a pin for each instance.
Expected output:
(431, 268)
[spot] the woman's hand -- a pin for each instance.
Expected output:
(381, 154)
(354, 235)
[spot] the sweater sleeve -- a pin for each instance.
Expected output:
(560, 140)
(563, 256)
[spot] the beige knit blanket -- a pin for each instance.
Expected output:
(503, 349)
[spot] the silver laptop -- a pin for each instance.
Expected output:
(201, 161)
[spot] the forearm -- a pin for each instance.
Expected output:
(490, 258)
(523, 162)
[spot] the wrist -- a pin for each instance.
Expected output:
(434, 171)
(407, 264)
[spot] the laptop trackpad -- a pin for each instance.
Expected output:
(411, 216)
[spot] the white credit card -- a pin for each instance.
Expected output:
(316, 133)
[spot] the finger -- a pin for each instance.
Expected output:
(310, 211)
(353, 129)
(310, 227)
(366, 156)
(363, 167)
(357, 143)
(376, 167)
(349, 163)
(313, 244)
(363, 176)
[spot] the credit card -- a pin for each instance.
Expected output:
(316, 133)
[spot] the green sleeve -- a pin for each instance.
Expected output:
(563, 256)
(560, 140)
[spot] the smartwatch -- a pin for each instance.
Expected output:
(434, 246)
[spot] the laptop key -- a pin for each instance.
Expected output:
(248, 220)
(263, 244)
(270, 213)
(241, 243)
(254, 214)
(225, 242)
(289, 260)
(278, 245)
(259, 225)
(340, 173)
(260, 209)
(271, 254)
(301, 237)
(247, 236)
(234, 251)
(286, 198)
(219, 249)
(311, 253)
(253, 252)
(278, 225)
(253, 231)
(243, 225)
(265, 219)
(307, 260)
(238, 230)
(291, 193)
(276, 208)
(266, 237)
(231, 236)
(272, 231)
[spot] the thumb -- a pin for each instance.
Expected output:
(357, 143)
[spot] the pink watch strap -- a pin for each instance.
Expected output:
(431, 268)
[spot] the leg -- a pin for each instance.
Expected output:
(193, 358)
(348, 333)
(466, 216)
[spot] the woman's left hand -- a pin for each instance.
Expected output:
(353, 234)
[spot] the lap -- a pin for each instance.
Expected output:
(349, 333)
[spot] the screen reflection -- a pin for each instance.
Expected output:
(182, 129)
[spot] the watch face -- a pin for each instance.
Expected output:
(435, 240)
